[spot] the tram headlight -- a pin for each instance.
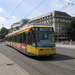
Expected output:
(40, 49)
(53, 49)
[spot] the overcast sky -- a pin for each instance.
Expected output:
(14, 12)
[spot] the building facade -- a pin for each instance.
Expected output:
(18, 25)
(59, 21)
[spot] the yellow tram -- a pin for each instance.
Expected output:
(33, 39)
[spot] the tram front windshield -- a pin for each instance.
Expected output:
(44, 36)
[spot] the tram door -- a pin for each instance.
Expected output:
(28, 41)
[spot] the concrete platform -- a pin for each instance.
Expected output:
(8, 67)
(65, 46)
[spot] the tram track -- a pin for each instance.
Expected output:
(66, 63)
(59, 69)
(67, 53)
(35, 69)
(50, 65)
(23, 62)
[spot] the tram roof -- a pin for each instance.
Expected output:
(28, 25)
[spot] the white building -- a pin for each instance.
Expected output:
(59, 21)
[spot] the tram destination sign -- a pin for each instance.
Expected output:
(43, 29)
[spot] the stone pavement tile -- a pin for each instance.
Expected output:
(8, 67)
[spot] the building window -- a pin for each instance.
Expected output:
(63, 20)
(59, 30)
(57, 20)
(57, 15)
(66, 21)
(47, 21)
(60, 15)
(50, 20)
(56, 25)
(44, 21)
(59, 25)
(60, 20)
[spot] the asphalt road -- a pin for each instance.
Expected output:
(63, 63)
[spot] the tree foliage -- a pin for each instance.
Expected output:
(3, 32)
(71, 30)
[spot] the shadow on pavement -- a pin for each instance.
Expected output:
(57, 57)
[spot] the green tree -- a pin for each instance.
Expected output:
(4, 31)
(0, 33)
(71, 29)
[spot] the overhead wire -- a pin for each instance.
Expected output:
(27, 14)
(67, 5)
(35, 8)
(15, 9)
(64, 7)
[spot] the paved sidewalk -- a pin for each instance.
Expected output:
(8, 67)
(66, 46)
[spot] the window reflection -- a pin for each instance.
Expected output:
(45, 39)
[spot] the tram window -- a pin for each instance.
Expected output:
(8, 39)
(13, 38)
(29, 38)
(24, 38)
(20, 38)
(33, 39)
(16, 38)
